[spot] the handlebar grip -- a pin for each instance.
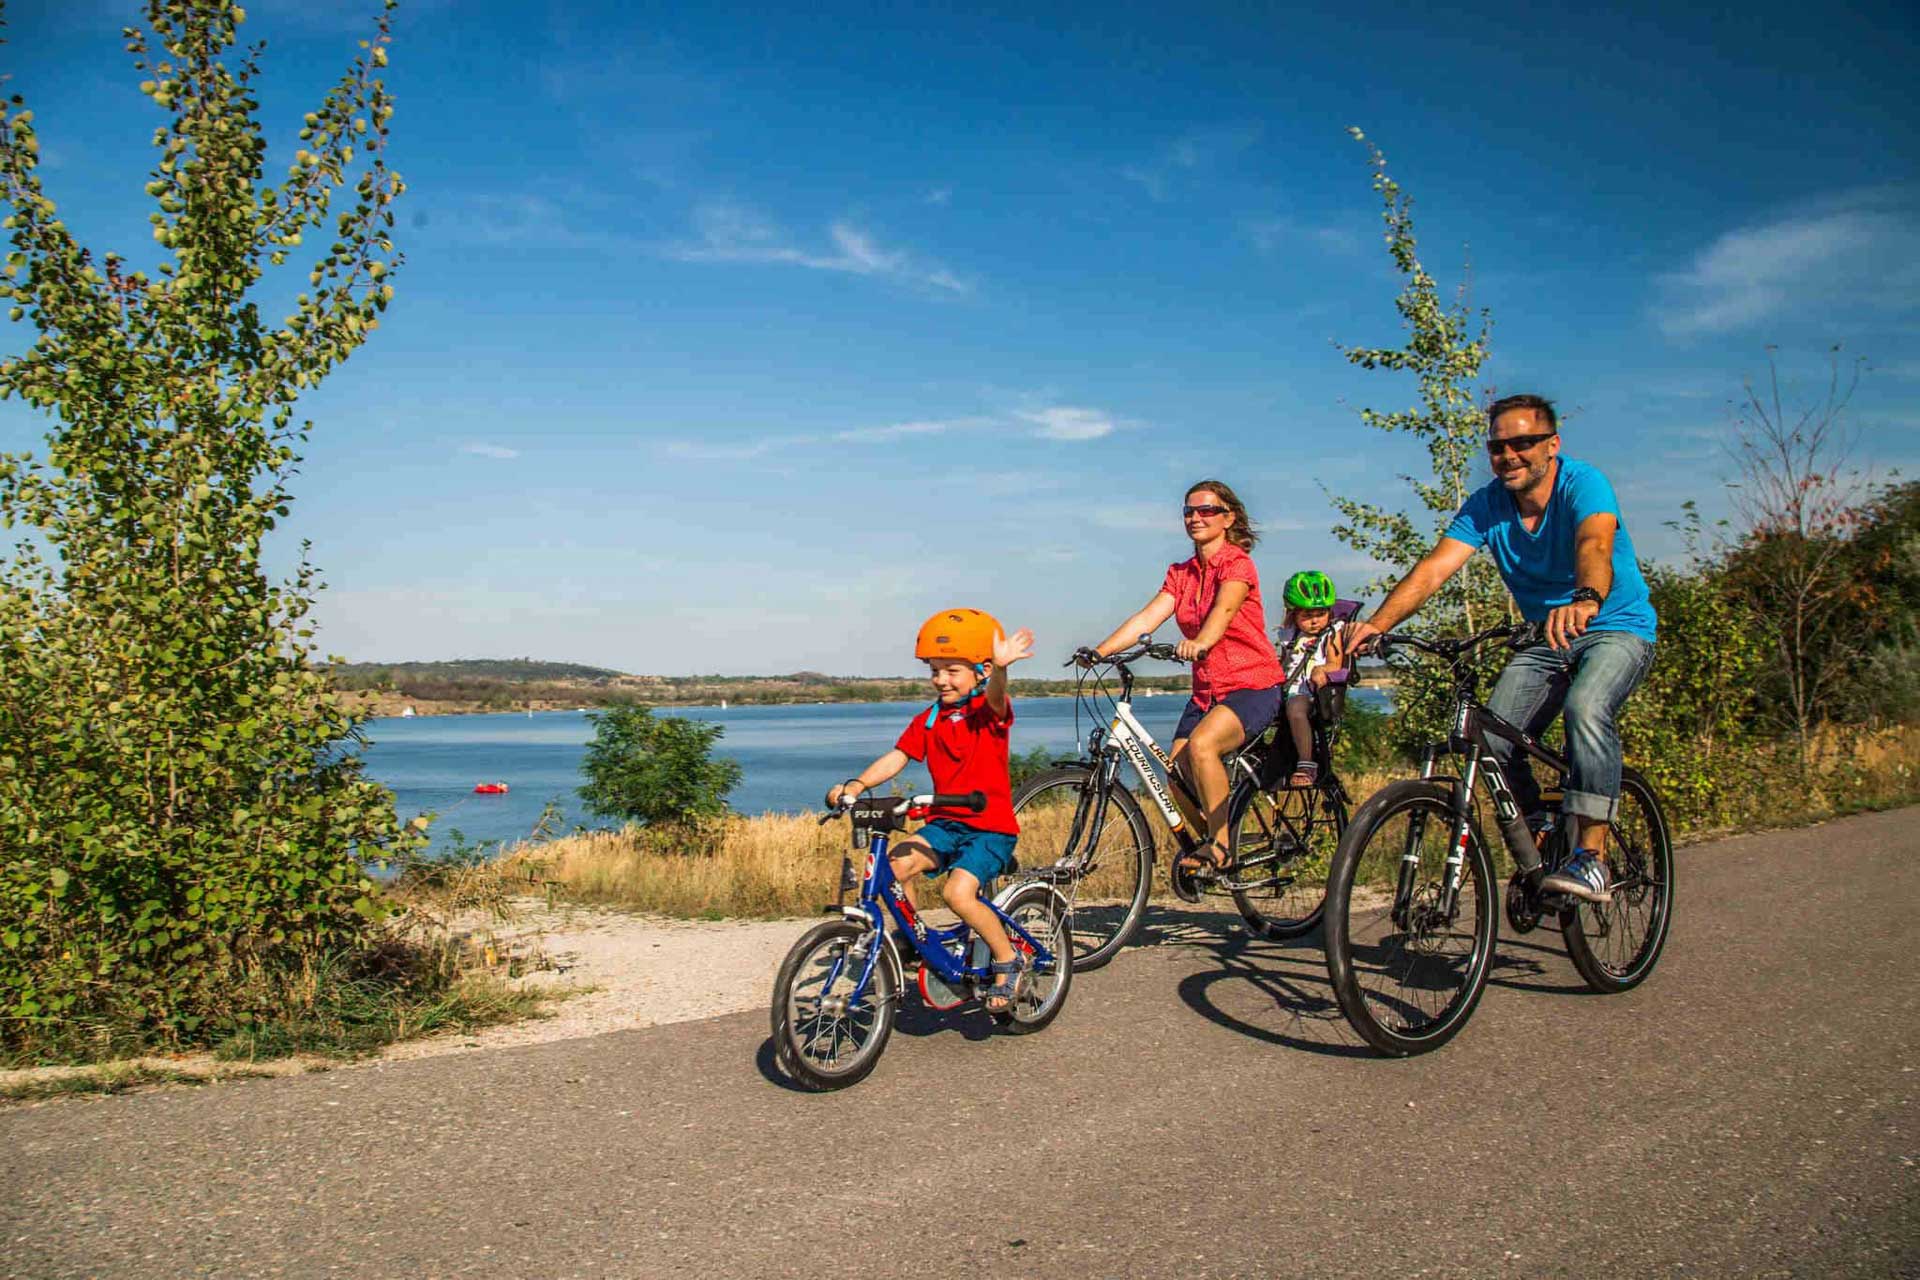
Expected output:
(972, 801)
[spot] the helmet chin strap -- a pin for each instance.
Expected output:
(979, 687)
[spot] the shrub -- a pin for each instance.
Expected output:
(658, 771)
(180, 823)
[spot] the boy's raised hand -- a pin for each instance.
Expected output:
(1008, 650)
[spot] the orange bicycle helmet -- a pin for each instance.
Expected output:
(966, 634)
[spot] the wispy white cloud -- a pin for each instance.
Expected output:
(939, 195)
(1191, 151)
(1136, 517)
(1069, 422)
(1271, 235)
(729, 232)
(761, 446)
(897, 431)
(1057, 422)
(521, 221)
(1859, 251)
(489, 450)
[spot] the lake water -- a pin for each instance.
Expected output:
(789, 755)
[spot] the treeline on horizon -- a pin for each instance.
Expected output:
(508, 682)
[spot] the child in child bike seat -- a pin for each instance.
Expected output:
(962, 738)
(1314, 649)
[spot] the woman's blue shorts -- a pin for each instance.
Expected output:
(984, 854)
(1255, 708)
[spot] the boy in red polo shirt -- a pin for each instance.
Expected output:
(962, 738)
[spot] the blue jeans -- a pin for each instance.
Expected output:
(1591, 678)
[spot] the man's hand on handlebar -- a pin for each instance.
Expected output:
(1569, 622)
(1084, 657)
(1362, 638)
(842, 792)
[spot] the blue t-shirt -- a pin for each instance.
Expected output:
(1538, 566)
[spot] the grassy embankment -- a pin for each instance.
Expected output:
(426, 973)
(784, 865)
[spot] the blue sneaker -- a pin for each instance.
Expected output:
(1584, 876)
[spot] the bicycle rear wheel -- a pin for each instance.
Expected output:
(1104, 877)
(1408, 966)
(1042, 912)
(1283, 843)
(1615, 944)
(822, 1038)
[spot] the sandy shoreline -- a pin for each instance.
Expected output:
(629, 971)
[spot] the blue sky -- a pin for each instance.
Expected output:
(740, 339)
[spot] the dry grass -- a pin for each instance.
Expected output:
(784, 865)
(764, 867)
(770, 866)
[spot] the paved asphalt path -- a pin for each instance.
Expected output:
(1200, 1109)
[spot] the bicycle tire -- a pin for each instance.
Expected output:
(1640, 863)
(797, 1032)
(1100, 928)
(1295, 909)
(1042, 912)
(1427, 949)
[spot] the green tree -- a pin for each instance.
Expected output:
(1691, 727)
(1446, 346)
(1800, 503)
(659, 771)
(177, 810)
(1886, 552)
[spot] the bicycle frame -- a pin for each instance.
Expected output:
(1474, 728)
(881, 894)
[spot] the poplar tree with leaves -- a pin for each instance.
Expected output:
(180, 808)
(1447, 343)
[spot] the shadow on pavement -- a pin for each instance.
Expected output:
(1276, 992)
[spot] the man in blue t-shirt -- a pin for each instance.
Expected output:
(1552, 526)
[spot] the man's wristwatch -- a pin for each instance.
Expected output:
(1588, 595)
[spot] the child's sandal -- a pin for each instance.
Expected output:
(1012, 974)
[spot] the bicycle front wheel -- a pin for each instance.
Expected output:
(823, 1038)
(1283, 843)
(1615, 944)
(1095, 848)
(1407, 954)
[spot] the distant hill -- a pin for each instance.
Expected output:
(375, 675)
(500, 684)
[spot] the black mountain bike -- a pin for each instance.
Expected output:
(1411, 918)
(1083, 831)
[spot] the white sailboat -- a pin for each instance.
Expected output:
(723, 704)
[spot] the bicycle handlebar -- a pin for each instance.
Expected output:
(971, 801)
(1519, 635)
(1144, 648)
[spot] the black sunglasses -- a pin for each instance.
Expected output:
(1519, 444)
(1206, 509)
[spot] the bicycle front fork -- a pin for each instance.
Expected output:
(1448, 904)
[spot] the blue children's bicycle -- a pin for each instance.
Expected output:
(839, 989)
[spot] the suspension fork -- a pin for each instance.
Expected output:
(1093, 797)
(1456, 848)
(1410, 855)
(1462, 832)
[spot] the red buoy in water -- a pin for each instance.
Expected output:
(490, 789)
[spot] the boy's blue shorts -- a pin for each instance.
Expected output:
(986, 854)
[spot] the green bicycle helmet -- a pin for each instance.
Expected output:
(1310, 589)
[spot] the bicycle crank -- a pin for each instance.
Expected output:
(1523, 908)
